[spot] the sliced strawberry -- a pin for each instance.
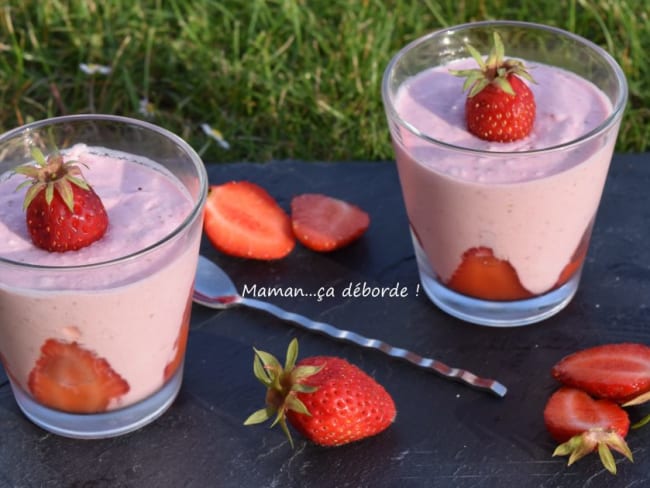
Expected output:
(243, 220)
(583, 425)
(481, 275)
(70, 378)
(323, 223)
(577, 259)
(180, 345)
(617, 372)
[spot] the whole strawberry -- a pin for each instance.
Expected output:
(500, 106)
(63, 213)
(328, 400)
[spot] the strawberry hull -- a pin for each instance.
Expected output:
(102, 330)
(531, 203)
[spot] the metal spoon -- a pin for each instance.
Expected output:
(213, 288)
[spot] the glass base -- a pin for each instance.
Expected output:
(493, 313)
(101, 425)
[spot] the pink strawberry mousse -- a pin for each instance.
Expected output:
(131, 313)
(531, 208)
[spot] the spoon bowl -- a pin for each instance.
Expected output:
(213, 288)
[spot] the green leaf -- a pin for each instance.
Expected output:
(499, 50)
(285, 429)
(261, 373)
(33, 190)
(261, 415)
(79, 181)
(504, 85)
(641, 422)
(476, 55)
(643, 398)
(49, 193)
(268, 360)
(294, 403)
(38, 156)
(65, 190)
(302, 372)
(301, 388)
(607, 458)
(292, 355)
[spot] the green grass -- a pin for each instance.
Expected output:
(279, 78)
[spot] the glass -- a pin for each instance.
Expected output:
(500, 230)
(115, 324)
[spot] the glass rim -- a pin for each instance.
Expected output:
(195, 212)
(618, 106)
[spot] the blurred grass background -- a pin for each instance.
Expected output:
(279, 79)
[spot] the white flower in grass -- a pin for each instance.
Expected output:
(216, 135)
(147, 109)
(93, 69)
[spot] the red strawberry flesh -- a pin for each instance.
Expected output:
(73, 379)
(323, 223)
(482, 275)
(618, 372)
(243, 220)
(570, 412)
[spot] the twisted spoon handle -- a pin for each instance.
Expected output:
(460, 375)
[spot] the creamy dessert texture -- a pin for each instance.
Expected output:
(459, 200)
(101, 308)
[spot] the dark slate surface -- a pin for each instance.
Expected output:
(445, 435)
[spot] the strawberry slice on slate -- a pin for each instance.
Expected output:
(583, 425)
(243, 220)
(323, 223)
(73, 379)
(617, 372)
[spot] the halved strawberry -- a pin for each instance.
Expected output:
(583, 425)
(70, 378)
(243, 220)
(617, 372)
(481, 275)
(323, 223)
(499, 107)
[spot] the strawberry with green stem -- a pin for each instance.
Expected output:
(587, 413)
(500, 106)
(63, 212)
(327, 399)
(583, 425)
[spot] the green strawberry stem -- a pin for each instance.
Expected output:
(601, 439)
(495, 69)
(51, 174)
(282, 384)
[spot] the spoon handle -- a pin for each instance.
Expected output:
(430, 364)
